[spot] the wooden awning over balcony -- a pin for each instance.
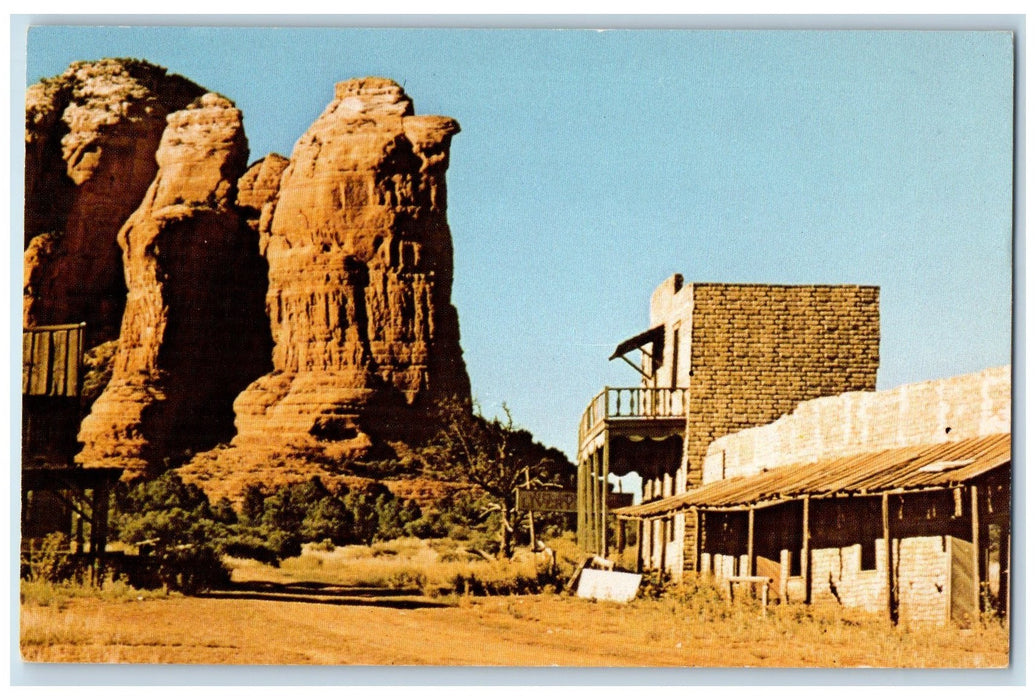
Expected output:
(653, 338)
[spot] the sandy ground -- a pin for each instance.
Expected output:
(360, 628)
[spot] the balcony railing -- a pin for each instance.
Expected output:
(645, 403)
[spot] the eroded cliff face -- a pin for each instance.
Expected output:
(91, 136)
(360, 270)
(297, 307)
(193, 333)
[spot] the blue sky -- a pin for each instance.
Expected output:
(592, 165)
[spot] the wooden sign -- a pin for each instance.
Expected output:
(563, 501)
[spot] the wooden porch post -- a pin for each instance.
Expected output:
(662, 548)
(592, 514)
(581, 503)
(604, 495)
(1005, 570)
(699, 545)
(976, 589)
(751, 540)
(641, 539)
(890, 578)
(807, 568)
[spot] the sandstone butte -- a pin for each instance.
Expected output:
(298, 309)
(90, 141)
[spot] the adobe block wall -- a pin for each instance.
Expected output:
(672, 305)
(838, 575)
(923, 578)
(940, 410)
(757, 351)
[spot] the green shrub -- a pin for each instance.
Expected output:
(327, 519)
(47, 558)
(174, 528)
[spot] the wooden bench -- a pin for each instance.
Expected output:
(764, 580)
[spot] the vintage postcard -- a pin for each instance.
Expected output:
(517, 347)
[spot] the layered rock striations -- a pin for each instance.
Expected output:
(91, 136)
(194, 332)
(366, 339)
(300, 308)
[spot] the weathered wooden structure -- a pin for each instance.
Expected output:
(57, 495)
(922, 532)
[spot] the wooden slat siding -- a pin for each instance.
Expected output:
(961, 582)
(52, 359)
(769, 568)
(75, 360)
(58, 363)
(40, 364)
(27, 354)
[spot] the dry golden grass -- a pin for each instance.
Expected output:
(691, 625)
(502, 630)
(433, 567)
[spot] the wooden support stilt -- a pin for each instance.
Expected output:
(99, 528)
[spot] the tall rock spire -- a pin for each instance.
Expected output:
(193, 332)
(360, 270)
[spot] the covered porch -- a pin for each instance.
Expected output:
(921, 533)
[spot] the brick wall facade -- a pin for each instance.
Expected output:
(749, 353)
(760, 350)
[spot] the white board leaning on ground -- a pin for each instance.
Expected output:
(617, 586)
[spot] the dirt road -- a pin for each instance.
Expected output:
(355, 627)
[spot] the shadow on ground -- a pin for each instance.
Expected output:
(325, 594)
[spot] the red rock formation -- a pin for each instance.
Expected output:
(91, 135)
(360, 271)
(193, 330)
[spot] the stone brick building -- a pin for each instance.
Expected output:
(716, 358)
(821, 500)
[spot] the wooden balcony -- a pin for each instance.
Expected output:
(633, 407)
(633, 413)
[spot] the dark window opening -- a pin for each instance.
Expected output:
(868, 556)
(676, 354)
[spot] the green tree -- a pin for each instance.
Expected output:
(253, 504)
(327, 519)
(173, 523)
(496, 456)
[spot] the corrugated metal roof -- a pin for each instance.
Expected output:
(905, 468)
